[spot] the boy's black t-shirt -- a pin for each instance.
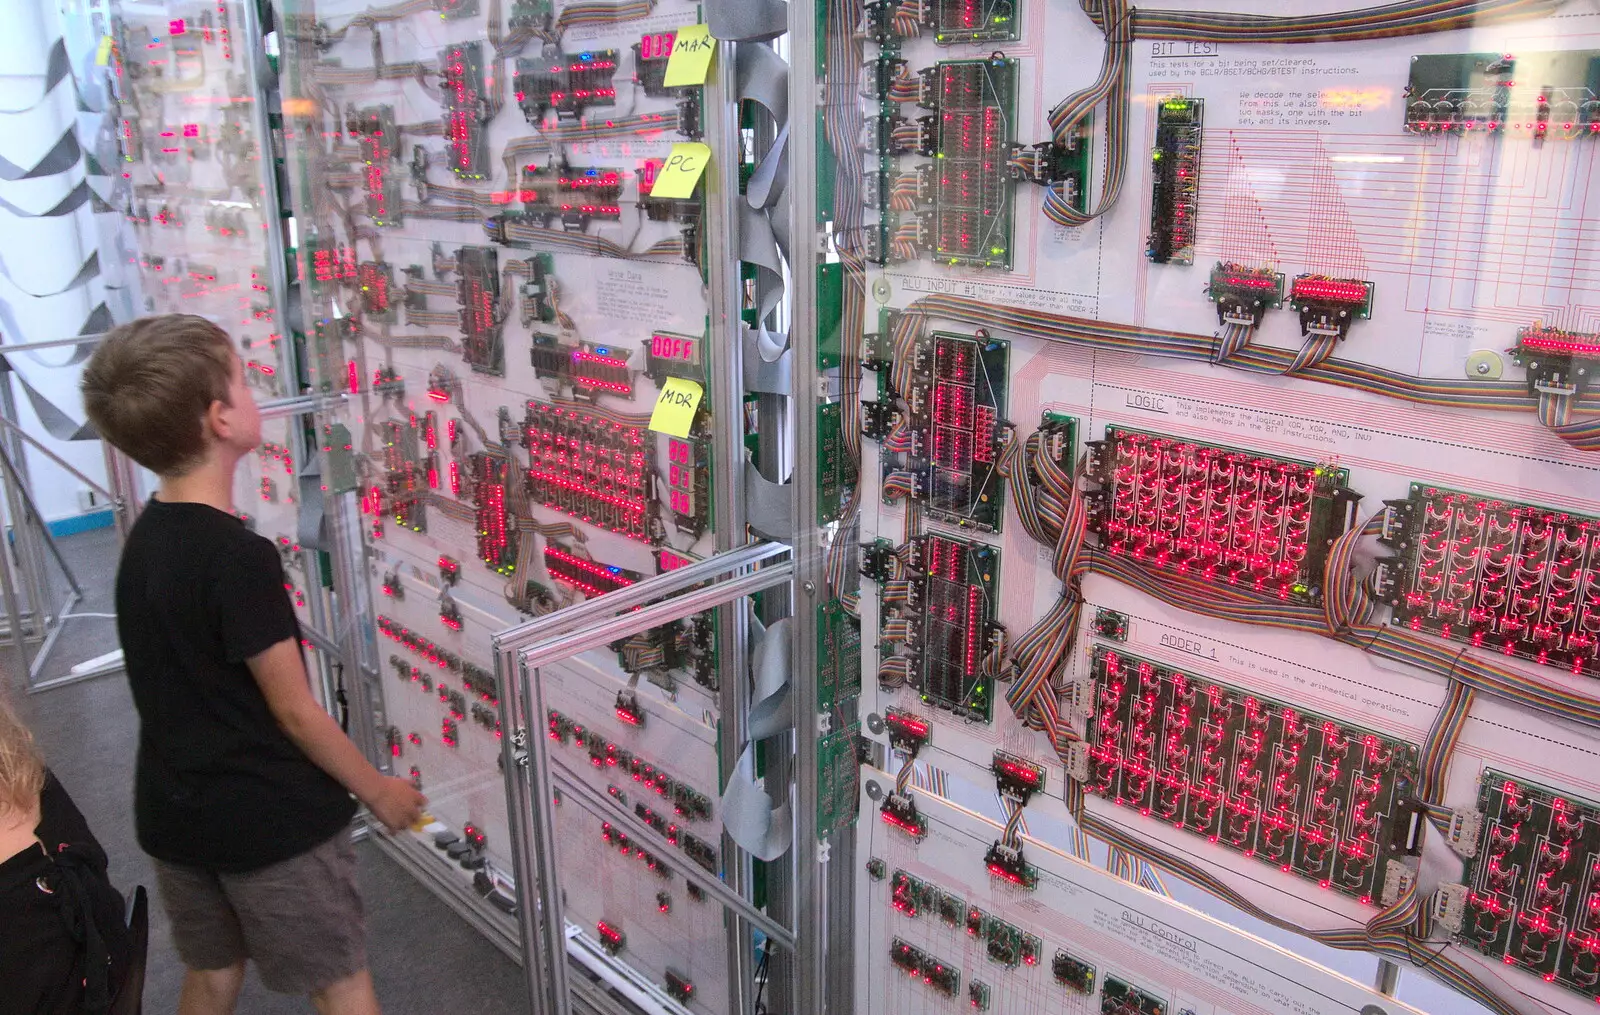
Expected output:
(219, 784)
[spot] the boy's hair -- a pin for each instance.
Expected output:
(21, 767)
(151, 382)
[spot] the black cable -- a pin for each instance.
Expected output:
(761, 977)
(341, 697)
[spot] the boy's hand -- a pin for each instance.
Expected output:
(397, 803)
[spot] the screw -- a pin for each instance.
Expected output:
(809, 587)
(1483, 368)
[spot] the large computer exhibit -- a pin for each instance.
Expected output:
(898, 506)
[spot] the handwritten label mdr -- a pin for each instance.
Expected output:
(675, 407)
(691, 57)
(682, 170)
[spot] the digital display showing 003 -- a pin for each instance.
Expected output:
(675, 348)
(657, 47)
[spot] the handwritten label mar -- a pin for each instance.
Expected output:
(691, 57)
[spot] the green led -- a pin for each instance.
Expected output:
(1301, 589)
(1176, 105)
(997, 251)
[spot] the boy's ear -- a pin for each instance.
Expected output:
(215, 420)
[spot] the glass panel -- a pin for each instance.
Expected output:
(1223, 387)
(189, 153)
(624, 889)
(486, 277)
(638, 811)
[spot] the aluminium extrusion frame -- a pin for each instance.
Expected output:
(720, 111)
(823, 972)
(531, 772)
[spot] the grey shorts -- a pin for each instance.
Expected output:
(300, 920)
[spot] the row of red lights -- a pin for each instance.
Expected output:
(1538, 127)
(439, 656)
(492, 537)
(1563, 343)
(1330, 289)
(636, 504)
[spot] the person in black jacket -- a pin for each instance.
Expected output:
(64, 949)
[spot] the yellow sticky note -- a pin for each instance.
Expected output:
(676, 179)
(691, 56)
(674, 412)
(102, 56)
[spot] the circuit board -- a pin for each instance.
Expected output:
(1119, 998)
(1175, 172)
(1557, 361)
(591, 467)
(466, 105)
(374, 129)
(1533, 882)
(974, 109)
(957, 406)
(1312, 796)
(1220, 514)
(962, 21)
(838, 655)
(1242, 294)
(479, 297)
(567, 83)
(1516, 578)
(943, 614)
(498, 538)
(1528, 96)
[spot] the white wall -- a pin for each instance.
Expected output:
(43, 254)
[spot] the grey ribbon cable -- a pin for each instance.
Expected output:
(763, 78)
(771, 708)
(770, 180)
(758, 247)
(312, 532)
(760, 828)
(747, 20)
(763, 225)
(747, 810)
(58, 159)
(769, 506)
(764, 376)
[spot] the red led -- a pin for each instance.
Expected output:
(907, 725)
(1021, 773)
(904, 824)
(1558, 342)
(1333, 290)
